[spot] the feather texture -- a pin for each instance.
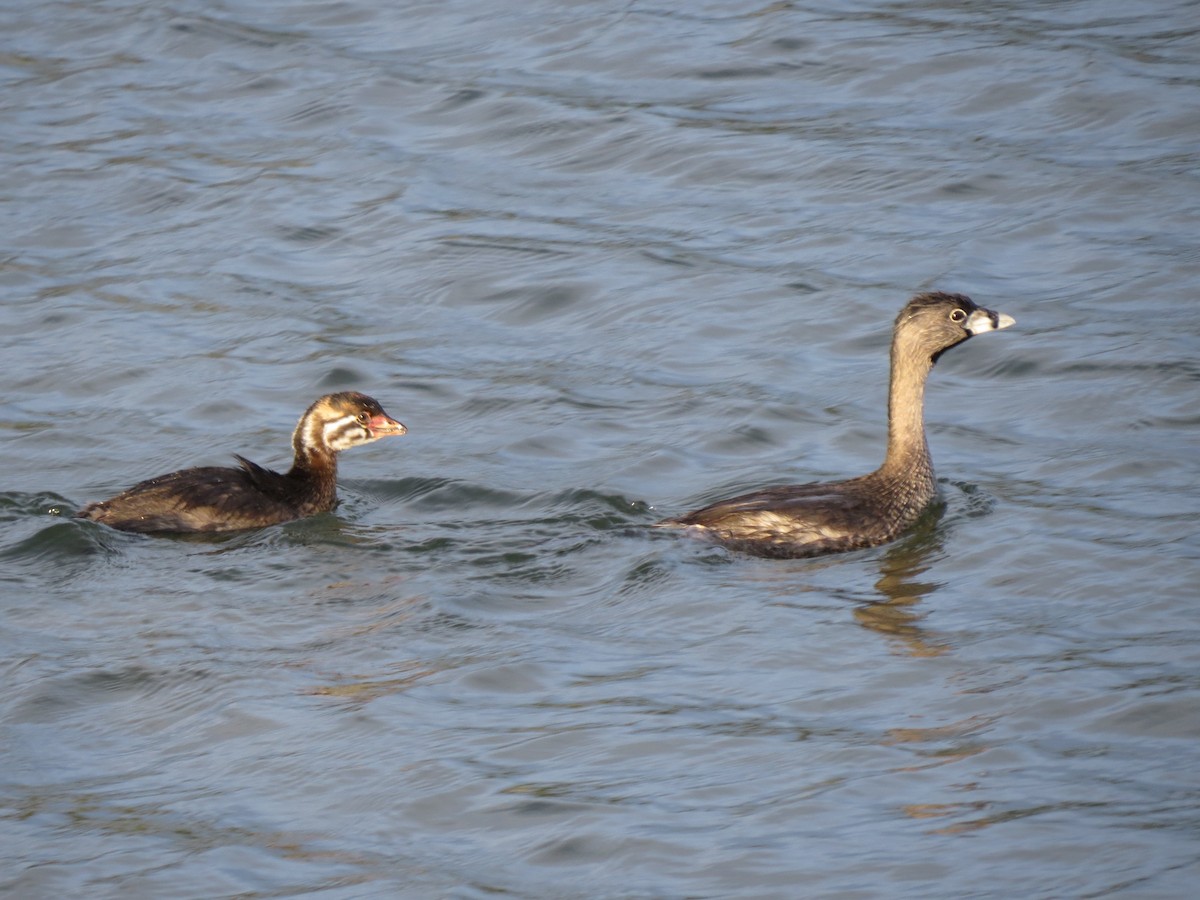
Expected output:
(227, 498)
(830, 517)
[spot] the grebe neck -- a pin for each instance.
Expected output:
(907, 449)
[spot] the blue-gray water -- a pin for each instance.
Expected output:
(607, 261)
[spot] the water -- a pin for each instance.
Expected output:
(607, 261)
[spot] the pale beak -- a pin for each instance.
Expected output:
(985, 320)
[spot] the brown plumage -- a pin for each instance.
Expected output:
(830, 517)
(220, 498)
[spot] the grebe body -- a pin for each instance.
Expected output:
(828, 517)
(220, 498)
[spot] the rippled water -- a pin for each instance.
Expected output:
(607, 261)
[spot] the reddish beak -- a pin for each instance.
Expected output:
(382, 426)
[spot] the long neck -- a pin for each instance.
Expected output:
(907, 451)
(314, 465)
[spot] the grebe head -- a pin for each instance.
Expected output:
(337, 422)
(932, 323)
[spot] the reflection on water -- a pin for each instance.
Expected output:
(902, 562)
(896, 615)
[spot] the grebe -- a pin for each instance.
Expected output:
(830, 517)
(224, 498)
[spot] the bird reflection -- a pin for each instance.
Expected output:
(900, 567)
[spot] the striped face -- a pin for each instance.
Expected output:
(338, 422)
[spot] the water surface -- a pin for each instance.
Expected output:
(607, 261)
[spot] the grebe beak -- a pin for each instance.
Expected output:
(382, 426)
(982, 320)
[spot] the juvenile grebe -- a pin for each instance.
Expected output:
(830, 517)
(221, 498)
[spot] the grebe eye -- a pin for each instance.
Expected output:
(364, 417)
(957, 316)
